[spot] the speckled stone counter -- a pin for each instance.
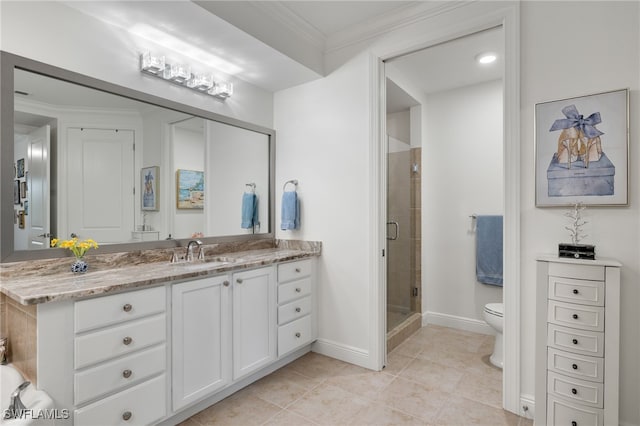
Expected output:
(50, 280)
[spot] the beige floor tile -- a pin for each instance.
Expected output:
(433, 375)
(414, 398)
(242, 408)
(410, 347)
(328, 405)
(396, 362)
(462, 411)
(277, 390)
(317, 366)
(375, 414)
(364, 383)
(481, 388)
(288, 374)
(288, 418)
(189, 422)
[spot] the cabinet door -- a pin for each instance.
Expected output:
(201, 340)
(254, 320)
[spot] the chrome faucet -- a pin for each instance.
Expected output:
(16, 408)
(189, 255)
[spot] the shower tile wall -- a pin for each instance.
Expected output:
(3, 318)
(19, 324)
(416, 229)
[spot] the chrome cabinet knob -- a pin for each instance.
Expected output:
(575, 341)
(298, 309)
(298, 290)
(126, 374)
(574, 391)
(127, 307)
(239, 280)
(127, 340)
(298, 270)
(574, 316)
(575, 291)
(225, 283)
(298, 335)
(574, 366)
(126, 415)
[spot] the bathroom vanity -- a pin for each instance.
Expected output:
(577, 341)
(157, 342)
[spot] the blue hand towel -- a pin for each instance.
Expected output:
(489, 250)
(290, 213)
(249, 210)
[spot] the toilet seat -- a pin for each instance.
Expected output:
(496, 309)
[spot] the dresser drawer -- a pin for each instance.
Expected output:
(120, 340)
(573, 270)
(294, 335)
(574, 365)
(143, 404)
(294, 290)
(576, 291)
(294, 270)
(576, 316)
(109, 310)
(293, 310)
(579, 391)
(119, 374)
(579, 341)
(564, 413)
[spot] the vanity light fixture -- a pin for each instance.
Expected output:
(181, 75)
(486, 58)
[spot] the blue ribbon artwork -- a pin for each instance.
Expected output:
(574, 119)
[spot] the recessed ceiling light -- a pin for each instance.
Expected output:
(486, 58)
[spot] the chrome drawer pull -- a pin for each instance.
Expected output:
(126, 415)
(574, 366)
(225, 283)
(126, 374)
(298, 270)
(575, 291)
(127, 307)
(298, 290)
(574, 316)
(575, 341)
(239, 280)
(127, 340)
(298, 309)
(574, 423)
(574, 391)
(298, 335)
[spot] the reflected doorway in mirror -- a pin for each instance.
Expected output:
(149, 177)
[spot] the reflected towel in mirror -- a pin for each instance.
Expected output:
(249, 210)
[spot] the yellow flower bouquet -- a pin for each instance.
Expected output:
(78, 248)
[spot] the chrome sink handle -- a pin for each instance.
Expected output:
(16, 408)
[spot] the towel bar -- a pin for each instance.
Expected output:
(293, 181)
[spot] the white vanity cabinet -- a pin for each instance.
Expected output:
(201, 338)
(577, 342)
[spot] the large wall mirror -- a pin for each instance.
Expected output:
(90, 159)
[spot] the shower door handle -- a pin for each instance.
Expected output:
(397, 226)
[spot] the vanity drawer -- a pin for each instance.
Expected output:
(143, 404)
(574, 270)
(294, 290)
(293, 310)
(579, 341)
(120, 340)
(580, 391)
(109, 310)
(574, 365)
(576, 291)
(576, 316)
(294, 270)
(294, 335)
(119, 374)
(564, 413)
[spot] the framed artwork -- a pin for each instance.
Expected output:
(582, 150)
(20, 168)
(190, 189)
(16, 192)
(23, 189)
(150, 184)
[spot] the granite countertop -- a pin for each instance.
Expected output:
(31, 288)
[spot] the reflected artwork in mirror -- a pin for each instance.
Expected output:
(88, 147)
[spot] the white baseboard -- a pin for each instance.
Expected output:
(460, 323)
(342, 352)
(527, 406)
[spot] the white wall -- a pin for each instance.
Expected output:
(56, 34)
(323, 141)
(188, 154)
(399, 126)
(462, 174)
(604, 56)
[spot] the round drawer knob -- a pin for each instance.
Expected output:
(239, 280)
(574, 391)
(574, 316)
(298, 270)
(298, 290)
(298, 335)
(575, 341)
(127, 307)
(575, 291)
(127, 340)
(126, 415)
(298, 309)
(574, 423)
(225, 283)
(126, 374)
(574, 366)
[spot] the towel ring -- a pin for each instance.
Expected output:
(292, 181)
(252, 186)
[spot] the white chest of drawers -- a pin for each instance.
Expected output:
(577, 342)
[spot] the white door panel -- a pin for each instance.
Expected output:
(38, 219)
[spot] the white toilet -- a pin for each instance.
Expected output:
(493, 313)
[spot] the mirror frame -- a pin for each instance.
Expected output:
(8, 63)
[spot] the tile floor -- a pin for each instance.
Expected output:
(439, 376)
